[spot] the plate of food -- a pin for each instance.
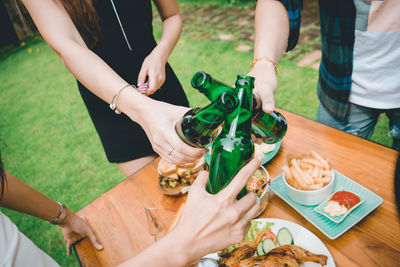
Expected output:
(175, 180)
(304, 200)
(269, 151)
(276, 242)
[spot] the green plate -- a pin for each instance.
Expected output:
(267, 157)
(326, 226)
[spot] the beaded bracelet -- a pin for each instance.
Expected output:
(265, 59)
(113, 106)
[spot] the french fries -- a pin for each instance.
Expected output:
(311, 172)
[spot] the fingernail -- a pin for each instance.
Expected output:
(139, 84)
(204, 152)
(99, 246)
(268, 107)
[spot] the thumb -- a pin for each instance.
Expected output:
(265, 91)
(68, 248)
(267, 100)
(90, 233)
(201, 180)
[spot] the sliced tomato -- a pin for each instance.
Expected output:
(266, 234)
(251, 244)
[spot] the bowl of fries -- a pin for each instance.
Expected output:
(309, 178)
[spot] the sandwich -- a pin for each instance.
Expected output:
(173, 178)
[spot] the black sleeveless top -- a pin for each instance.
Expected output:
(122, 139)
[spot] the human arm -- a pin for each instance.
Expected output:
(157, 118)
(21, 197)
(153, 67)
(209, 223)
(271, 35)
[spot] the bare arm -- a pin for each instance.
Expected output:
(21, 197)
(271, 35)
(153, 67)
(209, 223)
(157, 118)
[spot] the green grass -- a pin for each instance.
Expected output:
(49, 142)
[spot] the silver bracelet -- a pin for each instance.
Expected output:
(113, 106)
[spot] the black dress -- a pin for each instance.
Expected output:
(123, 139)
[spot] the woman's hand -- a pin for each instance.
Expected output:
(265, 84)
(153, 70)
(75, 228)
(158, 120)
(212, 222)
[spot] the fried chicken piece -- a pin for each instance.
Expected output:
(272, 260)
(287, 255)
(235, 256)
(300, 254)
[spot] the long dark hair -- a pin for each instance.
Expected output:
(85, 18)
(2, 178)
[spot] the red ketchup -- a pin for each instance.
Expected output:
(348, 199)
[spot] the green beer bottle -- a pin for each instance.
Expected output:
(199, 126)
(233, 148)
(270, 127)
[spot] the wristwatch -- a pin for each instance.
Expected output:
(61, 215)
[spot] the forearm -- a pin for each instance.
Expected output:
(21, 197)
(99, 78)
(168, 251)
(171, 30)
(58, 30)
(271, 29)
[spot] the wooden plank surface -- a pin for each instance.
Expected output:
(119, 220)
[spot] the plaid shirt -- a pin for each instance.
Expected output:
(337, 38)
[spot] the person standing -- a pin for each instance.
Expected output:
(108, 45)
(358, 74)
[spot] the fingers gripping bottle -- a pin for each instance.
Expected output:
(270, 127)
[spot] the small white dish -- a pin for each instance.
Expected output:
(309, 197)
(340, 218)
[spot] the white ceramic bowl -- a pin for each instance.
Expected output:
(310, 197)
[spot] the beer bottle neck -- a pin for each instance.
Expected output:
(239, 121)
(217, 110)
(211, 88)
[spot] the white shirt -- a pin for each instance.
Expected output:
(16, 250)
(376, 55)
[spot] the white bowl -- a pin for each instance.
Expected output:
(310, 197)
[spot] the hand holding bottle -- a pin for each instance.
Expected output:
(212, 222)
(158, 120)
(265, 84)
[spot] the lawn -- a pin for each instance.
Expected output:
(49, 142)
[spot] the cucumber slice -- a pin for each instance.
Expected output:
(284, 237)
(260, 250)
(268, 244)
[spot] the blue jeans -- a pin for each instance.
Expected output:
(362, 120)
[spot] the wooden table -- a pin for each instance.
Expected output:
(118, 216)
